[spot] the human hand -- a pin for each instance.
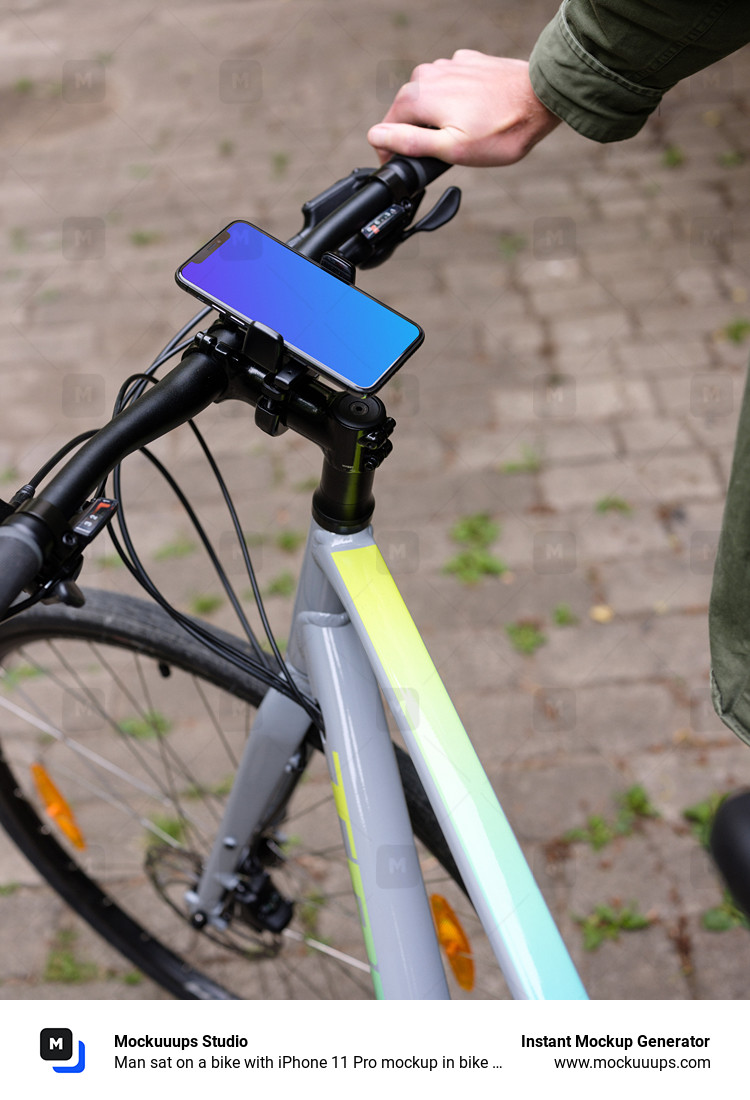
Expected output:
(481, 111)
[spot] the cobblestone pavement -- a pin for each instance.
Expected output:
(586, 315)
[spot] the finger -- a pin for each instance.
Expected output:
(406, 106)
(470, 56)
(383, 154)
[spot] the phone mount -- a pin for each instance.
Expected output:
(264, 346)
(351, 429)
(267, 349)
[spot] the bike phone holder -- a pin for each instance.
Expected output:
(266, 348)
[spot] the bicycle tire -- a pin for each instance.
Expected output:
(68, 694)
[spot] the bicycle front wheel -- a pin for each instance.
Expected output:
(121, 736)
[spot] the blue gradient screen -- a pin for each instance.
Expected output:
(340, 330)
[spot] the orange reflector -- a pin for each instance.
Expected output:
(453, 941)
(56, 806)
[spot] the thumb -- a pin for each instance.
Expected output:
(410, 141)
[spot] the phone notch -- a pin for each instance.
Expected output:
(208, 249)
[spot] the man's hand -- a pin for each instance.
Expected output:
(480, 111)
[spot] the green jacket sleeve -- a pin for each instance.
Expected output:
(603, 65)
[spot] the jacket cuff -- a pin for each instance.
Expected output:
(597, 102)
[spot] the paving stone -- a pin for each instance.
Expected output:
(607, 534)
(647, 355)
(533, 798)
(628, 650)
(668, 476)
(647, 435)
(658, 584)
(566, 301)
(686, 774)
(583, 440)
(709, 400)
(720, 961)
(632, 869)
(23, 957)
(556, 399)
(650, 480)
(650, 959)
(580, 362)
(548, 275)
(591, 328)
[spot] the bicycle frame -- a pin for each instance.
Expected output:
(352, 638)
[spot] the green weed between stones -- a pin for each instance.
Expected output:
(634, 805)
(525, 636)
(475, 533)
(62, 963)
(606, 922)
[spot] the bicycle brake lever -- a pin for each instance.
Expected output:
(396, 233)
(67, 592)
(442, 212)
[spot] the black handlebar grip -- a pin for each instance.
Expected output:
(730, 846)
(426, 169)
(20, 560)
(407, 176)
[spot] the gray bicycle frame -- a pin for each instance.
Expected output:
(351, 640)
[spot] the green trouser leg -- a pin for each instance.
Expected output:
(729, 612)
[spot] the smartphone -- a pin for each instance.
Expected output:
(333, 327)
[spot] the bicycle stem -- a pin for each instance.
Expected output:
(352, 431)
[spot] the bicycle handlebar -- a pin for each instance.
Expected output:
(28, 535)
(398, 178)
(188, 389)
(415, 172)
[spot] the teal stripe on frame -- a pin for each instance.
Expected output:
(539, 966)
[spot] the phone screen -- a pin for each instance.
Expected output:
(336, 328)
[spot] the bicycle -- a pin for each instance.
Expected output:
(191, 844)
